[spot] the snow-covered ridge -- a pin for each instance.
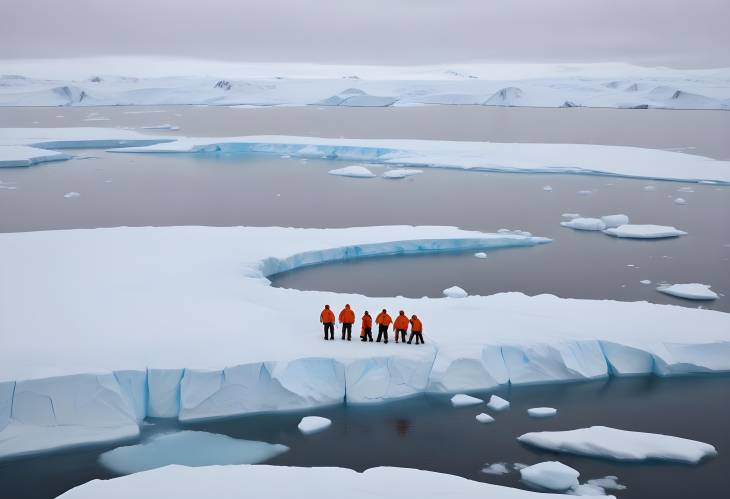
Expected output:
(181, 322)
(128, 81)
(477, 156)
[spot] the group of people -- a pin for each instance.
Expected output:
(383, 320)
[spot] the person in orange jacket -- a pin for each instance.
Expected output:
(416, 330)
(327, 317)
(367, 327)
(400, 326)
(383, 320)
(347, 318)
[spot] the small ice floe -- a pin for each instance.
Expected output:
(480, 254)
(680, 201)
(496, 469)
(96, 118)
(401, 173)
(542, 412)
(685, 189)
(571, 215)
(547, 188)
(585, 224)
(519, 466)
(70, 195)
(690, 291)
(622, 445)
(484, 418)
(285, 156)
(497, 403)
(646, 231)
(313, 424)
(164, 126)
(709, 182)
(455, 292)
(552, 475)
(585, 192)
(645, 281)
(463, 400)
(649, 188)
(188, 448)
(615, 220)
(355, 171)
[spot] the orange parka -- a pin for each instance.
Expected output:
(416, 325)
(327, 316)
(347, 315)
(401, 322)
(367, 321)
(383, 319)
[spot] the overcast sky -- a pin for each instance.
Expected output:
(682, 33)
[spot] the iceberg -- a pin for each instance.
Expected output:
(313, 424)
(497, 403)
(188, 448)
(551, 475)
(585, 224)
(484, 418)
(463, 400)
(355, 171)
(644, 231)
(455, 292)
(542, 412)
(620, 445)
(691, 291)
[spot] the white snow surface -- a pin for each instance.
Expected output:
(646, 231)
(463, 400)
(621, 445)
(551, 475)
(313, 424)
(690, 291)
(542, 412)
(455, 292)
(479, 156)
(355, 171)
(166, 322)
(585, 224)
(288, 482)
(497, 403)
(188, 448)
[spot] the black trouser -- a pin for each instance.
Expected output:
(367, 334)
(418, 335)
(382, 332)
(329, 326)
(401, 333)
(347, 327)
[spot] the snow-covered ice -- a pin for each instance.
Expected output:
(313, 424)
(615, 220)
(497, 403)
(463, 400)
(355, 171)
(551, 475)
(542, 412)
(621, 445)
(690, 291)
(188, 448)
(19, 155)
(484, 418)
(455, 292)
(645, 231)
(286, 482)
(480, 254)
(496, 469)
(585, 224)
(401, 173)
(645, 281)
(680, 201)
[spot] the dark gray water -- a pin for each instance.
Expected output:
(425, 432)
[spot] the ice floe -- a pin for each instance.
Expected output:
(455, 292)
(551, 475)
(621, 445)
(644, 231)
(585, 224)
(497, 403)
(164, 126)
(570, 215)
(462, 400)
(11, 156)
(496, 469)
(613, 221)
(355, 171)
(690, 291)
(542, 412)
(188, 448)
(70, 195)
(313, 424)
(484, 418)
(480, 254)
(401, 173)
(680, 201)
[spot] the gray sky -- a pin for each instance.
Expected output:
(682, 33)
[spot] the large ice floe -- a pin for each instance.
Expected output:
(621, 445)
(477, 156)
(181, 322)
(288, 482)
(154, 81)
(690, 291)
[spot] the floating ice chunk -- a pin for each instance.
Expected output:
(401, 173)
(496, 469)
(497, 403)
(609, 482)
(646, 231)
(480, 254)
(645, 281)
(685, 189)
(585, 224)
(585, 489)
(585, 192)
(313, 424)
(188, 448)
(355, 171)
(691, 291)
(649, 188)
(70, 195)
(484, 418)
(680, 201)
(709, 182)
(504, 231)
(615, 220)
(547, 188)
(455, 292)
(542, 412)
(552, 475)
(463, 400)
(164, 126)
(622, 445)
(571, 215)
(518, 466)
